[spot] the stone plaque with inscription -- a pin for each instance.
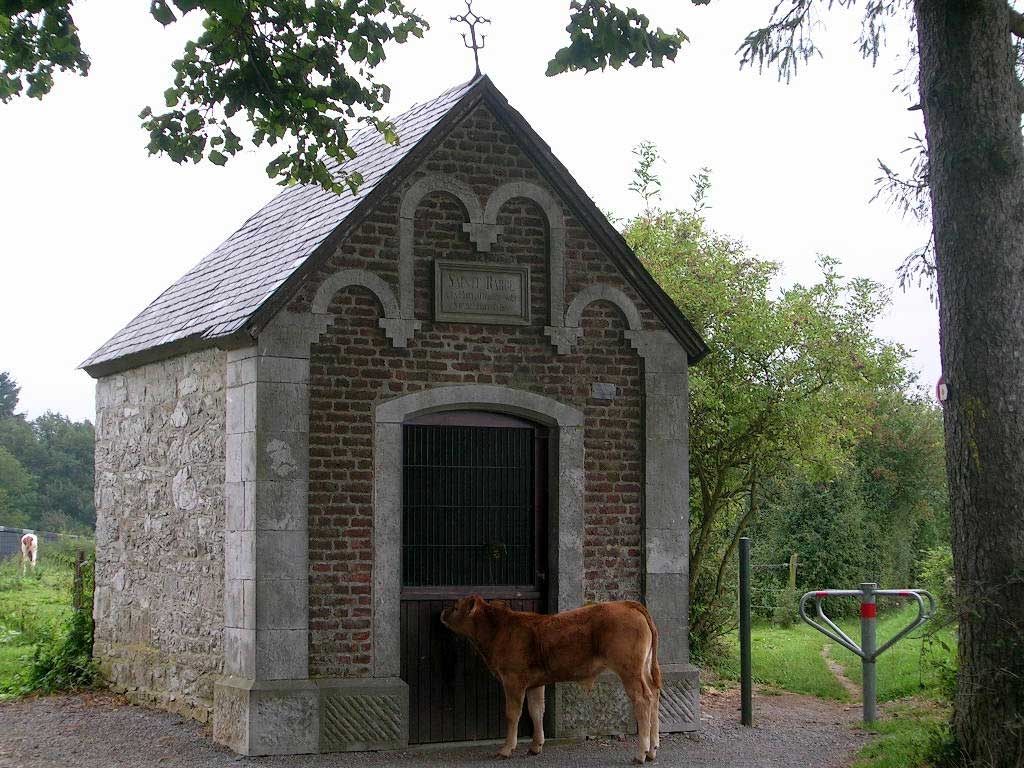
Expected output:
(481, 293)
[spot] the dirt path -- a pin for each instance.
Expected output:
(837, 670)
(102, 731)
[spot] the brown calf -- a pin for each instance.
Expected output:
(527, 651)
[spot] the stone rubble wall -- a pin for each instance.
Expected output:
(159, 611)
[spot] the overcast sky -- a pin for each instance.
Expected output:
(93, 229)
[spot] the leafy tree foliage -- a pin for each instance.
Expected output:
(64, 466)
(36, 38)
(9, 390)
(17, 492)
(901, 474)
(603, 35)
(877, 517)
(791, 381)
(821, 520)
(291, 73)
(46, 472)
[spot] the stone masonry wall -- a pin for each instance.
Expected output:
(160, 531)
(353, 367)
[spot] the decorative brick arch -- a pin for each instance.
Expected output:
(556, 229)
(567, 491)
(530, 191)
(440, 183)
(572, 331)
(484, 231)
(347, 277)
(601, 292)
(398, 329)
(406, 232)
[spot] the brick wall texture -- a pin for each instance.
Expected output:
(160, 531)
(353, 367)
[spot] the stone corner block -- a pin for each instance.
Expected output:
(363, 715)
(661, 352)
(399, 330)
(680, 698)
(281, 654)
(603, 711)
(279, 456)
(280, 717)
(288, 335)
(231, 713)
(562, 338)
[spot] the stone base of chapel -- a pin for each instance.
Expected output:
(289, 717)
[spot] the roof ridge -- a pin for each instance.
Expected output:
(246, 278)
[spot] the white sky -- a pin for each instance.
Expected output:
(92, 229)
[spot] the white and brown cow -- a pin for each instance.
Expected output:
(527, 651)
(29, 550)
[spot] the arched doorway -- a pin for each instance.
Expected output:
(474, 521)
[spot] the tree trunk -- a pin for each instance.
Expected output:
(976, 158)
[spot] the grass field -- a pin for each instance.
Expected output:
(907, 733)
(912, 667)
(29, 606)
(790, 659)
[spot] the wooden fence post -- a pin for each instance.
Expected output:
(77, 588)
(792, 571)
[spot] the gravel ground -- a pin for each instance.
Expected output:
(103, 731)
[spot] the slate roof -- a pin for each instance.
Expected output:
(227, 295)
(219, 294)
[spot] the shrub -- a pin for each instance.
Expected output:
(937, 577)
(937, 658)
(787, 608)
(62, 660)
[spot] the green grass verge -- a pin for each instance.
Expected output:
(919, 664)
(908, 736)
(37, 599)
(12, 659)
(790, 659)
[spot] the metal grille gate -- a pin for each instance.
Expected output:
(473, 519)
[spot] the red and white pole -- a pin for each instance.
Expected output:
(868, 644)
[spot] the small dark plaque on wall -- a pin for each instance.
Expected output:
(465, 292)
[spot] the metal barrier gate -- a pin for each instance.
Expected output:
(868, 650)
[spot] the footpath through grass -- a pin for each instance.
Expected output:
(915, 675)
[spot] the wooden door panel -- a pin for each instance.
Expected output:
(473, 521)
(452, 694)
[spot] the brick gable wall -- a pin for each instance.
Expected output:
(353, 367)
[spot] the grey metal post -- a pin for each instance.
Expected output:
(746, 684)
(868, 612)
(868, 650)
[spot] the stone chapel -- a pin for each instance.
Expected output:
(361, 407)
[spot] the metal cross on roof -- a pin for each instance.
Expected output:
(472, 19)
